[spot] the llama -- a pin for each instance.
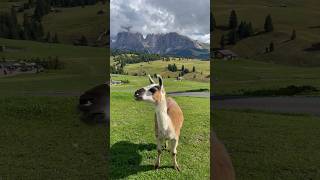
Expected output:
(168, 117)
(222, 168)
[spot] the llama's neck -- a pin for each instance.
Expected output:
(162, 115)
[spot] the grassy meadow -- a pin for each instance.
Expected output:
(286, 16)
(42, 135)
(202, 68)
(268, 145)
(239, 76)
(71, 23)
(133, 142)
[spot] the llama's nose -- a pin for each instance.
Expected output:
(139, 93)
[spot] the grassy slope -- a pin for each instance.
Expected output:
(133, 148)
(85, 67)
(270, 146)
(6, 4)
(202, 69)
(43, 136)
(231, 77)
(299, 15)
(71, 23)
(171, 85)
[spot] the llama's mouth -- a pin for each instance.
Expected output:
(138, 94)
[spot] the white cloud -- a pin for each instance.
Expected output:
(187, 17)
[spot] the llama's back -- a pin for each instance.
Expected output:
(175, 114)
(222, 166)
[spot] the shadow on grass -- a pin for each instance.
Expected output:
(126, 160)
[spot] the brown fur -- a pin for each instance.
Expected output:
(157, 96)
(222, 168)
(175, 114)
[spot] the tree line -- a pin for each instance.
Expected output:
(183, 70)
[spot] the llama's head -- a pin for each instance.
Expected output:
(152, 93)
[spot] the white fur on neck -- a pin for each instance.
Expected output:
(163, 119)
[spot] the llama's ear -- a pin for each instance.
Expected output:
(150, 79)
(160, 81)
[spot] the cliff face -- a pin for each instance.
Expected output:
(169, 43)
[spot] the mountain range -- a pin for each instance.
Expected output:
(165, 44)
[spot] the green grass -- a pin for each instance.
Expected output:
(298, 15)
(170, 84)
(43, 137)
(234, 77)
(84, 68)
(270, 146)
(133, 148)
(5, 5)
(161, 67)
(71, 23)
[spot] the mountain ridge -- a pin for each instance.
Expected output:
(170, 43)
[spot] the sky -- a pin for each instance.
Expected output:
(187, 17)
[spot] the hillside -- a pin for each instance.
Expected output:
(202, 69)
(84, 67)
(69, 23)
(73, 22)
(241, 76)
(303, 16)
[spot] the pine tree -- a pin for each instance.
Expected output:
(182, 68)
(193, 69)
(233, 20)
(271, 47)
(250, 29)
(293, 35)
(26, 27)
(55, 38)
(222, 42)
(241, 30)
(268, 25)
(212, 22)
(232, 37)
(48, 37)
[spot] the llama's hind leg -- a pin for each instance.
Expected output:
(173, 146)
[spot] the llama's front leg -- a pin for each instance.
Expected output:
(159, 148)
(174, 144)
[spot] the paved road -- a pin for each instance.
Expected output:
(299, 105)
(191, 94)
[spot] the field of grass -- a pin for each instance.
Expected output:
(299, 15)
(133, 143)
(84, 68)
(171, 84)
(71, 23)
(270, 146)
(42, 135)
(6, 4)
(202, 72)
(235, 77)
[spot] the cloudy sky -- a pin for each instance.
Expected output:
(187, 17)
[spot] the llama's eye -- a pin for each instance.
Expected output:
(153, 90)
